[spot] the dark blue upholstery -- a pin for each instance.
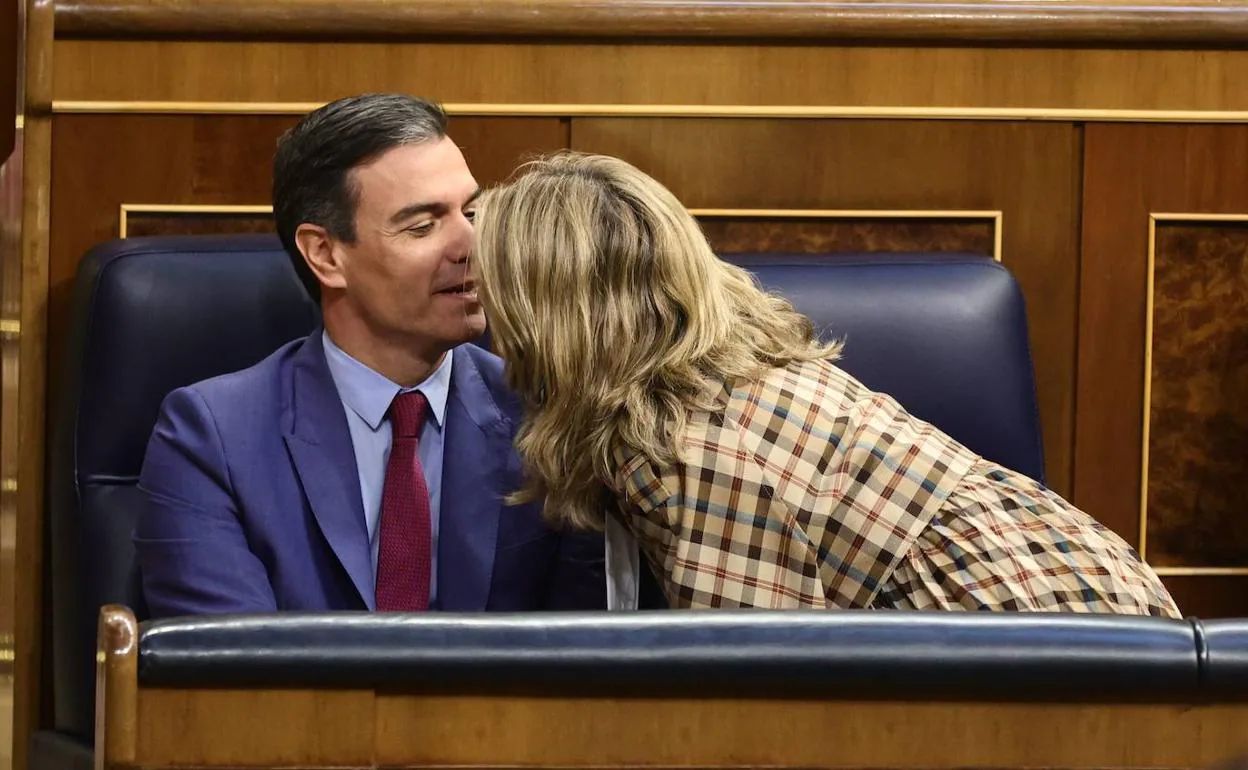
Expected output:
(1224, 656)
(944, 334)
(149, 315)
(839, 654)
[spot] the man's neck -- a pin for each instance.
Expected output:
(406, 365)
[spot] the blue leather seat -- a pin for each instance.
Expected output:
(149, 315)
(946, 335)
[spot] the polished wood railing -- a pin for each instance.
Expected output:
(1060, 22)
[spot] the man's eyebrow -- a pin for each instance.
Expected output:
(411, 210)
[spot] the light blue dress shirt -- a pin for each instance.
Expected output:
(366, 396)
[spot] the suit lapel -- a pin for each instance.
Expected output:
(475, 447)
(319, 443)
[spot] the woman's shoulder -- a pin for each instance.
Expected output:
(818, 412)
(818, 386)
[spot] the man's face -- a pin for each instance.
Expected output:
(406, 275)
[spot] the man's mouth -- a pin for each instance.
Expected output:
(465, 290)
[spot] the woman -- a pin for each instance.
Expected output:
(664, 388)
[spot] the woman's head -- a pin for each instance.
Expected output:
(614, 318)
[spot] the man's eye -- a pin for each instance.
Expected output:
(471, 215)
(419, 230)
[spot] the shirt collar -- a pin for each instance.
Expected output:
(369, 393)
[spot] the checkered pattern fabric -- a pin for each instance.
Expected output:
(806, 489)
(1003, 541)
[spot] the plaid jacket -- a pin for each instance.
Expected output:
(804, 491)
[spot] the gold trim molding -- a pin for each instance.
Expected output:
(70, 107)
(1154, 219)
(123, 217)
(1200, 571)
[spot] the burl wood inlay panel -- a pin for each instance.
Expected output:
(1197, 511)
(142, 223)
(822, 235)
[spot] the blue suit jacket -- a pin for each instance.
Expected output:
(254, 500)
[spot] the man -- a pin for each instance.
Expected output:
(364, 466)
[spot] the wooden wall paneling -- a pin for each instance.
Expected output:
(1130, 173)
(495, 146)
(527, 730)
(1209, 596)
(8, 76)
(255, 728)
(10, 337)
(11, 151)
(1028, 171)
(25, 293)
(363, 728)
(703, 75)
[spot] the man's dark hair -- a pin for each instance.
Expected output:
(312, 169)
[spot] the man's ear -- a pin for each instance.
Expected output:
(320, 252)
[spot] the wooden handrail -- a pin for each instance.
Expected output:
(1196, 23)
(116, 687)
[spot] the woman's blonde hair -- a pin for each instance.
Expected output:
(615, 320)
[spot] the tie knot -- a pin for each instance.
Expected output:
(407, 414)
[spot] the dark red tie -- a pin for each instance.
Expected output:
(404, 551)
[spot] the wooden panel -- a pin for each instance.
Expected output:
(10, 279)
(709, 732)
(1198, 405)
(143, 223)
(24, 295)
(816, 235)
(1162, 21)
(8, 76)
(1028, 171)
(1130, 172)
(1209, 596)
(255, 728)
(221, 160)
(10, 229)
(710, 74)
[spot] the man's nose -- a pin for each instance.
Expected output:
(461, 246)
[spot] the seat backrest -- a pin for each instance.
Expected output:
(149, 315)
(944, 334)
